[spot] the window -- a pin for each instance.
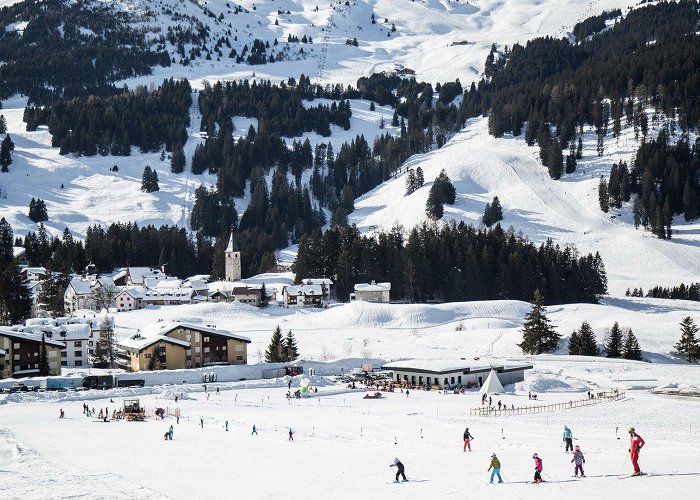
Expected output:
(239, 347)
(188, 357)
(16, 357)
(452, 380)
(52, 353)
(196, 344)
(64, 363)
(15, 345)
(239, 358)
(223, 347)
(91, 351)
(147, 355)
(206, 339)
(90, 343)
(78, 343)
(189, 337)
(206, 349)
(64, 354)
(78, 363)
(78, 354)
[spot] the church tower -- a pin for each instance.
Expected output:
(232, 261)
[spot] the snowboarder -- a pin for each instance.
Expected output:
(170, 433)
(291, 435)
(538, 469)
(226, 425)
(399, 470)
(467, 438)
(579, 460)
(255, 430)
(567, 438)
(636, 445)
(496, 466)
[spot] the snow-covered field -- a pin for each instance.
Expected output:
(345, 444)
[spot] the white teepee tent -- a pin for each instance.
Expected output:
(492, 384)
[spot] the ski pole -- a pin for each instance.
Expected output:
(623, 465)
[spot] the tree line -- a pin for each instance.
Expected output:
(15, 298)
(111, 125)
(680, 292)
(452, 262)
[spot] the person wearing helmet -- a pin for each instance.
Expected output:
(538, 469)
(496, 466)
(578, 460)
(636, 444)
(399, 470)
(568, 439)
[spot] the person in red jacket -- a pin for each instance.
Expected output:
(636, 444)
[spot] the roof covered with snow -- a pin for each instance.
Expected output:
(165, 327)
(318, 281)
(303, 290)
(373, 287)
(29, 336)
(138, 341)
(81, 286)
(450, 366)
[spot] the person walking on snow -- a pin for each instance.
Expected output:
(538, 469)
(170, 433)
(255, 430)
(201, 422)
(568, 439)
(467, 438)
(400, 471)
(496, 466)
(579, 460)
(291, 435)
(636, 445)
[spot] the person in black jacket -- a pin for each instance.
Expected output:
(467, 438)
(399, 469)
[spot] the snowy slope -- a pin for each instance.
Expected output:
(567, 210)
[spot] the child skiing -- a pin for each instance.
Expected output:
(496, 466)
(636, 444)
(568, 439)
(467, 438)
(399, 470)
(538, 469)
(579, 460)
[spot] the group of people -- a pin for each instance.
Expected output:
(636, 444)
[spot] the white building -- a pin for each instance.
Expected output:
(77, 339)
(372, 292)
(78, 295)
(130, 299)
(302, 295)
(452, 373)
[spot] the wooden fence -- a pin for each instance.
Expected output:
(600, 397)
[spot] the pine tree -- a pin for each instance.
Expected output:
(689, 344)
(420, 179)
(275, 351)
(3, 124)
(613, 346)
(433, 206)
(177, 161)
(43, 358)
(290, 347)
(264, 299)
(410, 181)
(538, 335)
(630, 348)
(574, 343)
(603, 197)
(587, 340)
(6, 149)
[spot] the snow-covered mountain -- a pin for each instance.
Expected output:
(437, 41)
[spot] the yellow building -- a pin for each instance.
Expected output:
(175, 345)
(21, 354)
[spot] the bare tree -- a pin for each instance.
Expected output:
(103, 296)
(107, 339)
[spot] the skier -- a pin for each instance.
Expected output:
(291, 435)
(201, 422)
(496, 466)
(636, 445)
(170, 433)
(406, 392)
(538, 469)
(255, 431)
(467, 438)
(217, 392)
(61, 414)
(226, 425)
(568, 439)
(579, 460)
(399, 470)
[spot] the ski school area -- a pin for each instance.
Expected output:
(343, 442)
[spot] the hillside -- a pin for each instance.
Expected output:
(437, 40)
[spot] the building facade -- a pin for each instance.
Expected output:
(22, 353)
(443, 374)
(372, 292)
(302, 295)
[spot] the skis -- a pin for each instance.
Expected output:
(641, 474)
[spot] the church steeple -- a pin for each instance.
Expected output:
(232, 257)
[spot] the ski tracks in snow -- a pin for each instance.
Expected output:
(24, 473)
